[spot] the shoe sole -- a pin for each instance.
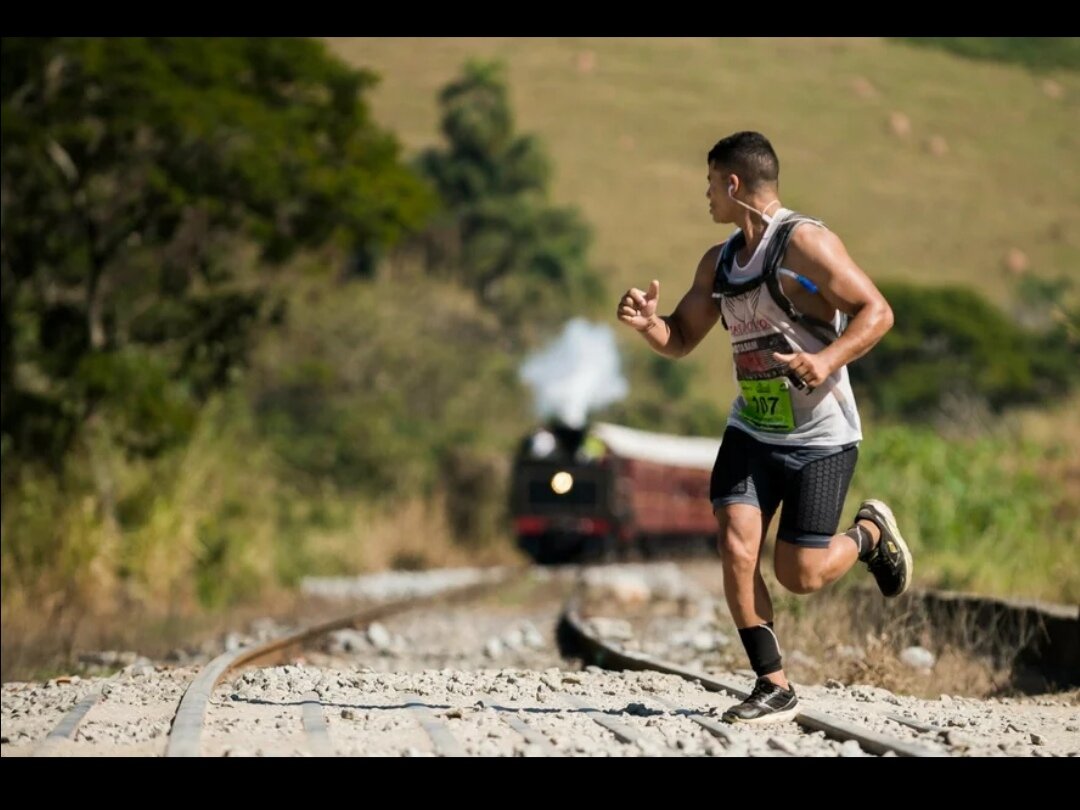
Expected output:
(765, 719)
(885, 513)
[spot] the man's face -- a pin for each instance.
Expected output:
(721, 208)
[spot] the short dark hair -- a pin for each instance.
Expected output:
(749, 155)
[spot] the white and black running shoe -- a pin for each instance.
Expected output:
(890, 562)
(768, 703)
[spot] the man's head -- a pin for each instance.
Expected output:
(743, 164)
(749, 156)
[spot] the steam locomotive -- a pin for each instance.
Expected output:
(608, 492)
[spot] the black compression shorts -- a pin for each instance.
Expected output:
(811, 482)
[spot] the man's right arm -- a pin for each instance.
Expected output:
(677, 334)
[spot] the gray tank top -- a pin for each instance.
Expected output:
(772, 406)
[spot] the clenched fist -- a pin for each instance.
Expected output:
(812, 369)
(638, 308)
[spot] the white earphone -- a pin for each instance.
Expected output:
(762, 214)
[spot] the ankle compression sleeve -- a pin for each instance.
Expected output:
(762, 647)
(862, 540)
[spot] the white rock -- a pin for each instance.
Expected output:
(918, 658)
(379, 636)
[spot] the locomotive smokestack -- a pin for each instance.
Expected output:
(568, 438)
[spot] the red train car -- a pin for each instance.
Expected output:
(611, 492)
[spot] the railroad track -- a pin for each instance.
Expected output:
(187, 725)
(575, 638)
(555, 712)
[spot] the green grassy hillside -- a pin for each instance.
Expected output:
(629, 122)
(988, 162)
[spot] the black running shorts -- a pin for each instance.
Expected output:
(811, 482)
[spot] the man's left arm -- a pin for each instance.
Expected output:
(818, 254)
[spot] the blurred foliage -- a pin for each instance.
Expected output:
(991, 514)
(524, 258)
(373, 385)
(135, 174)
(478, 479)
(950, 349)
(1050, 305)
(1039, 53)
(660, 399)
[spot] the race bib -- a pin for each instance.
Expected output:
(768, 404)
(765, 383)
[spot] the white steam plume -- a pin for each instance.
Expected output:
(575, 374)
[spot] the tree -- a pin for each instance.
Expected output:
(135, 172)
(950, 350)
(524, 259)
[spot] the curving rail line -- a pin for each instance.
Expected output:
(575, 638)
(187, 725)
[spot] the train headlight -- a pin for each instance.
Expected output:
(561, 483)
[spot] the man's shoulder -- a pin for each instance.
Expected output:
(798, 221)
(812, 237)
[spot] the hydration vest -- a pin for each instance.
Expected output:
(770, 276)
